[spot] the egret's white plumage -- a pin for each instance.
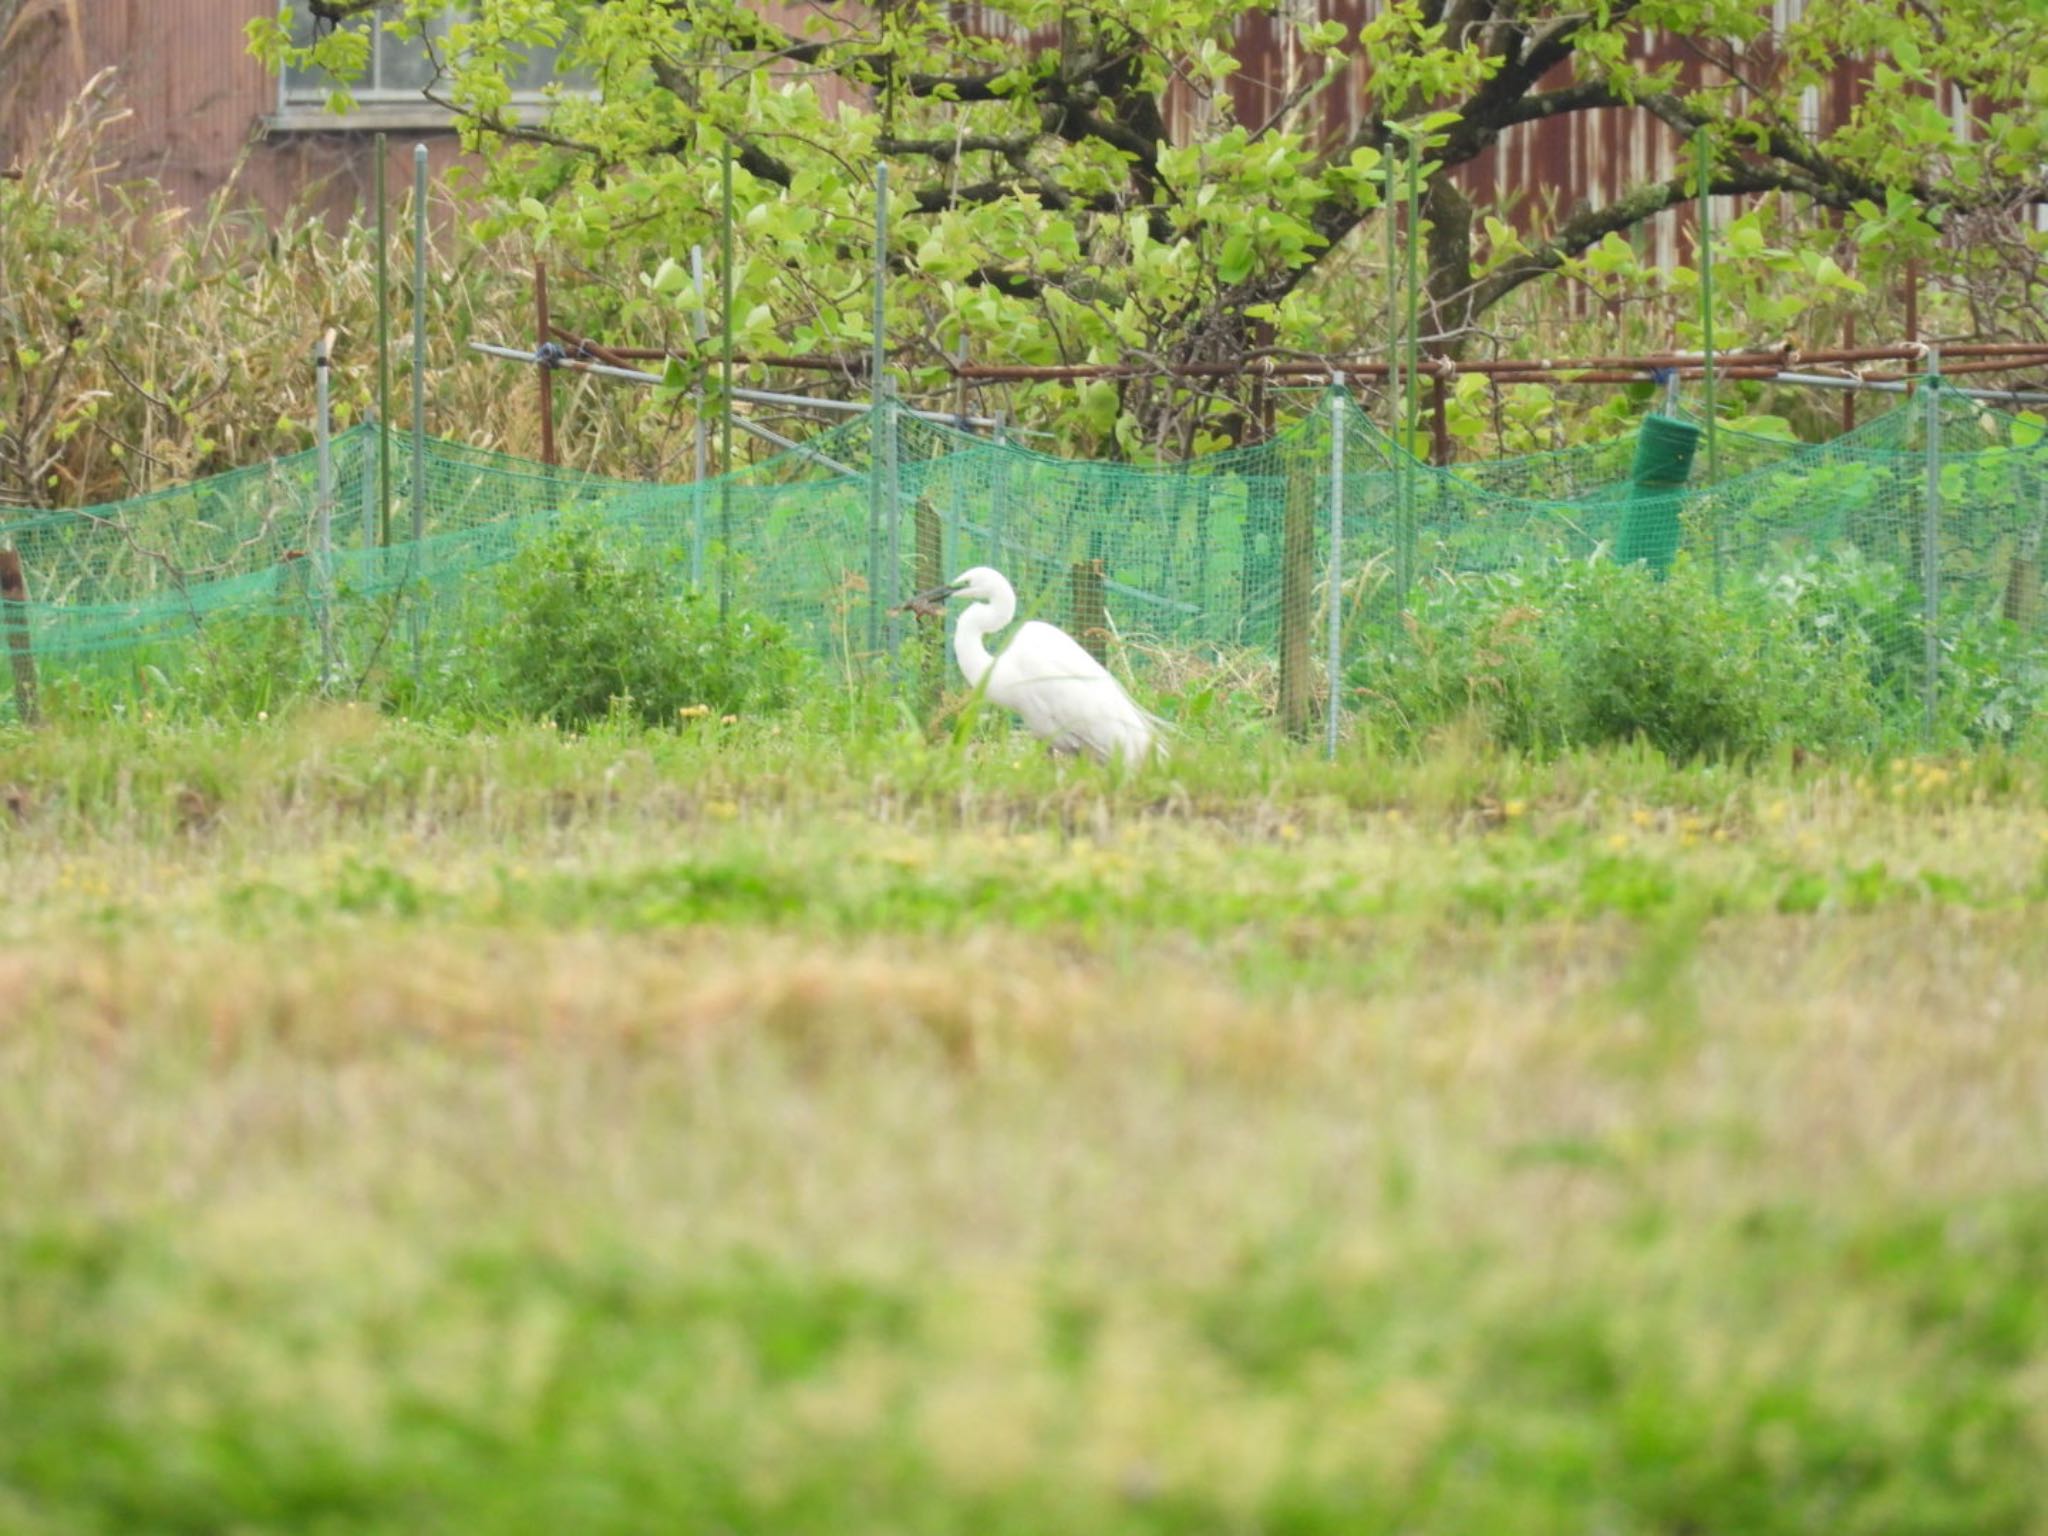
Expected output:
(1064, 696)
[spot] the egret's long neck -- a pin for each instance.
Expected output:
(970, 635)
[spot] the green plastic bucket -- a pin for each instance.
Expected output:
(1663, 464)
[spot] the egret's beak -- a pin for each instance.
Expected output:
(938, 594)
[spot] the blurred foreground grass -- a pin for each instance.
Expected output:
(762, 1131)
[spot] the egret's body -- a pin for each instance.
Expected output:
(1064, 696)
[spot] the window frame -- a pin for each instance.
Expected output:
(299, 110)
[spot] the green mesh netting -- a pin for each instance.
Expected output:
(1228, 550)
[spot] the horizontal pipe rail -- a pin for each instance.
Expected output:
(751, 396)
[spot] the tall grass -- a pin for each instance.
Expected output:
(149, 344)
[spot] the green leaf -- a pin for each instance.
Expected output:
(1234, 265)
(670, 277)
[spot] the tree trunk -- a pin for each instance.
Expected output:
(1297, 592)
(1449, 281)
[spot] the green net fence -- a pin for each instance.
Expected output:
(1923, 527)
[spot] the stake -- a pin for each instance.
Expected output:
(414, 618)
(419, 344)
(954, 514)
(383, 353)
(1411, 325)
(892, 504)
(725, 410)
(1411, 364)
(1336, 564)
(1849, 395)
(879, 355)
(1704, 160)
(368, 482)
(547, 374)
(323, 510)
(1930, 541)
(701, 446)
(998, 486)
(878, 419)
(1091, 613)
(1393, 307)
(14, 599)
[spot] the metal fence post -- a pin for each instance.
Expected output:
(1330, 721)
(892, 498)
(323, 511)
(726, 280)
(382, 533)
(999, 485)
(1704, 174)
(956, 514)
(878, 420)
(1930, 544)
(419, 400)
(701, 446)
(370, 478)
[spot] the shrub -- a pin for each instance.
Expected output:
(1696, 676)
(594, 623)
(1467, 647)
(1994, 675)
(1585, 653)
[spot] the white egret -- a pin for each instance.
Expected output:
(1064, 696)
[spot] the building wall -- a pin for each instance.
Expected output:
(198, 104)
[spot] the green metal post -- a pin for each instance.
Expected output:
(1411, 410)
(383, 530)
(999, 485)
(419, 397)
(700, 444)
(1336, 637)
(879, 422)
(1704, 162)
(1930, 544)
(419, 343)
(892, 506)
(1392, 217)
(323, 515)
(725, 416)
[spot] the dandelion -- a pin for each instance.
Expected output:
(1514, 808)
(262, 714)
(728, 719)
(1289, 832)
(694, 711)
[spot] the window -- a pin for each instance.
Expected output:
(392, 92)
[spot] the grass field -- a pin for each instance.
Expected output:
(747, 1130)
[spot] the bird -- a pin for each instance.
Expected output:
(1064, 696)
